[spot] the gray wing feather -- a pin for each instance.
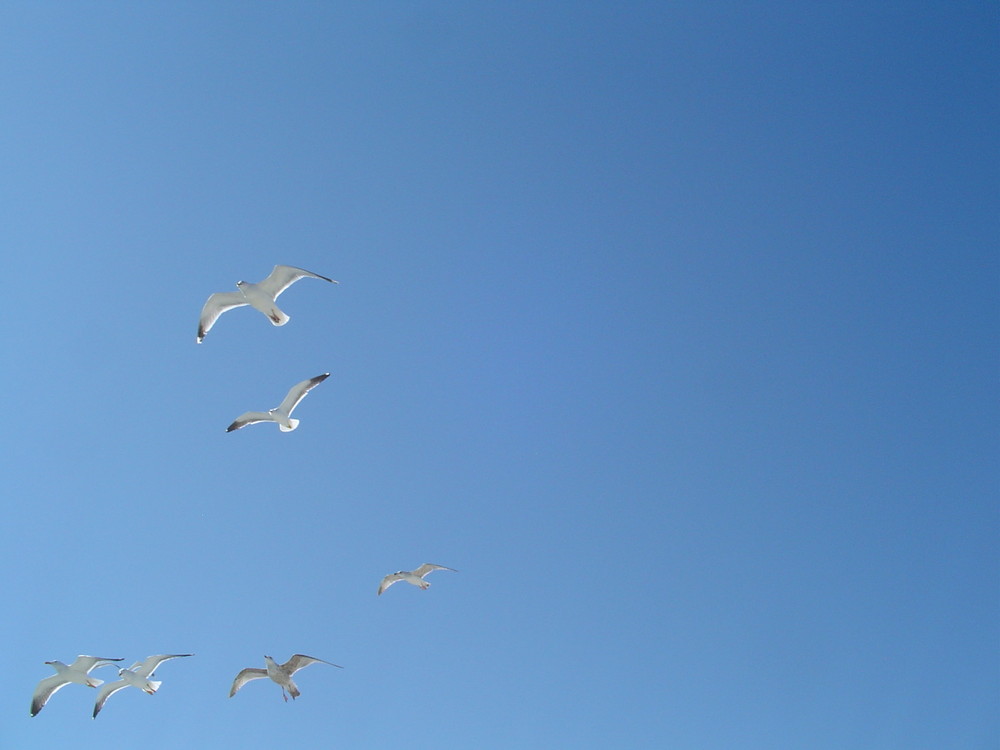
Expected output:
(388, 581)
(245, 675)
(301, 661)
(214, 306)
(152, 662)
(429, 567)
(283, 277)
(299, 391)
(44, 691)
(87, 663)
(106, 691)
(250, 417)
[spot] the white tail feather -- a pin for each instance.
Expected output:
(292, 424)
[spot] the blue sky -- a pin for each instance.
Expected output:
(672, 326)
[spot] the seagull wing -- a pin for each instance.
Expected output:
(86, 663)
(245, 675)
(428, 567)
(301, 661)
(106, 691)
(250, 417)
(217, 304)
(45, 690)
(283, 277)
(299, 391)
(388, 581)
(152, 662)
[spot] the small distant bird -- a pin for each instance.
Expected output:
(78, 672)
(280, 673)
(137, 676)
(415, 577)
(282, 413)
(261, 296)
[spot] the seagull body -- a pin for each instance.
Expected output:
(78, 672)
(137, 676)
(280, 673)
(281, 413)
(414, 577)
(260, 296)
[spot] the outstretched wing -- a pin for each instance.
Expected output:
(152, 662)
(245, 675)
(299, 391)
(217, 304)
(86, 663)
(44, 691)
(429, 567)
(250, 417)
(106, 691)
(283, 277)
(388, 581)
(301, 661)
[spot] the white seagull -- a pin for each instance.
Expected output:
(415, 577)
(280, 673)
(137, 676)
(281, 413)
(261, 296)
(78, 672)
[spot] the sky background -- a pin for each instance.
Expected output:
(674, 327)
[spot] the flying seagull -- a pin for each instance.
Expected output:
(415, 577)
(281, 413)
(280, 673)
(261, 296)
(137, 676)
(78, 672)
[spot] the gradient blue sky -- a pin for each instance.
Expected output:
(673, 327)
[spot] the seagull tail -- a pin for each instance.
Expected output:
(278, 317)
(292, 424)
(155, 684)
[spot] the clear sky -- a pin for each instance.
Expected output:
(674, 327)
